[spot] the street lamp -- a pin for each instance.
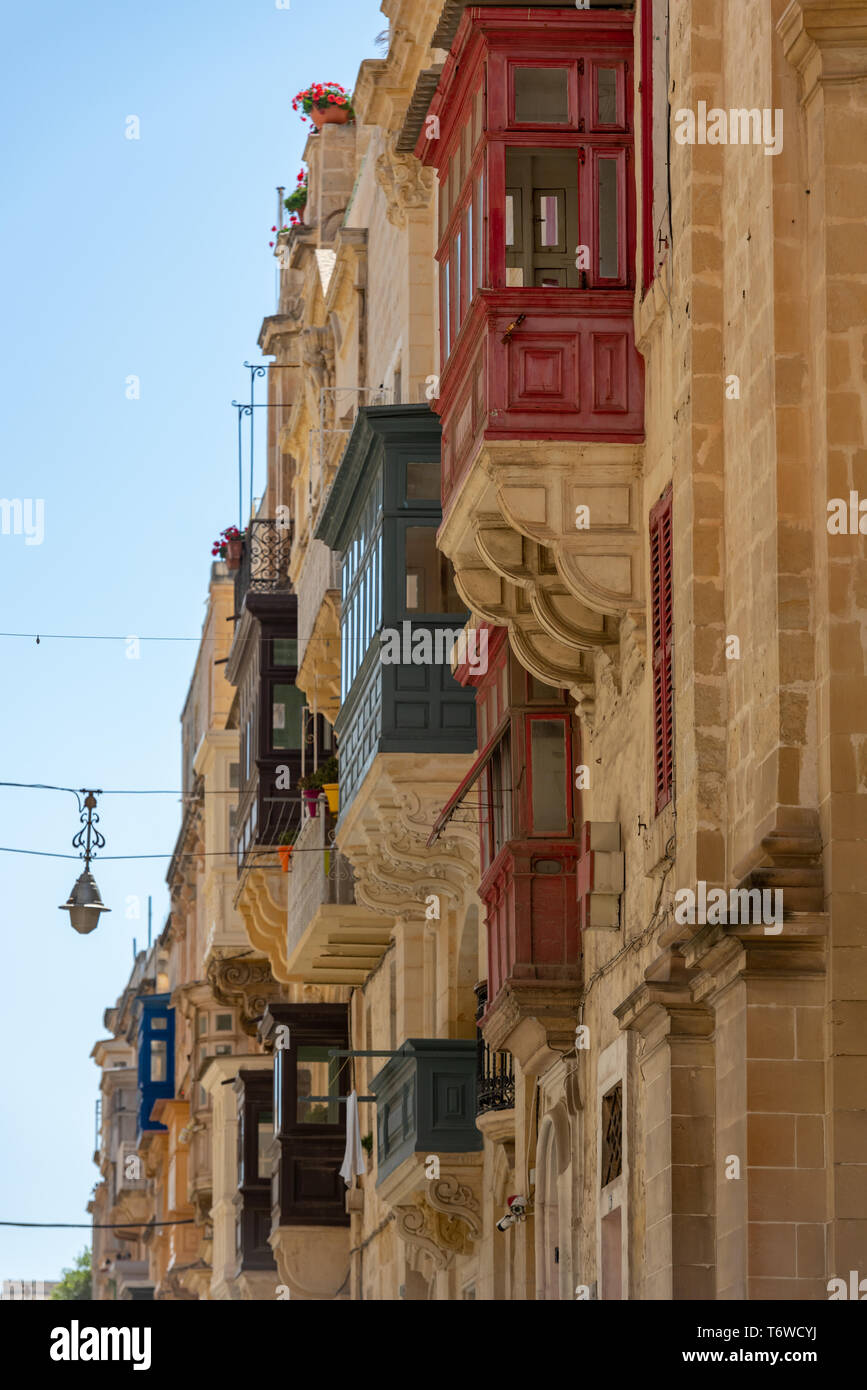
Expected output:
(84, 903)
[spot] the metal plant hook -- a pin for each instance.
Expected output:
(89, 839)
(254, 370)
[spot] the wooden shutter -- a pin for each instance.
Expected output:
(663, 650)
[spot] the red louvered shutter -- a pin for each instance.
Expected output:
(663, 650)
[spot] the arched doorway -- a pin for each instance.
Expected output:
(547, 1212)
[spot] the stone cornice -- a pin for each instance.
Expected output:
(534, 1020)
(825, 41)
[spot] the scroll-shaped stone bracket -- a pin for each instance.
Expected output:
(420, 1227)
(442, 1221)
(583, 501)
(568, 666)
(456, 1199)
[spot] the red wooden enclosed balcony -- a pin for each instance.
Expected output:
(521, 790)
(531, 133)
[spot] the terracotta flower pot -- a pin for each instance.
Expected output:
(329, 115)
(234, 551)
(285, 853)
(332, 791)
(311, 800)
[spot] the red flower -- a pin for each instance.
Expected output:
(270, 243)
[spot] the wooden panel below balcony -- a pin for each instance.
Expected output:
(568, 370)
(532, 915)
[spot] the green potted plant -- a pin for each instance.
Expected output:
(324, 779)
(330, 785)
(326, 103)
(297, 200)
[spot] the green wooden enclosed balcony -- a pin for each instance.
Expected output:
(426, 1102)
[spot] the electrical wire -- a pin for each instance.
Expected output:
(190, 854)
(127, 791)
(40, 637)
(97, 1225)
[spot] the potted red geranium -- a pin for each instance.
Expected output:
(229, 547)
(326, 103)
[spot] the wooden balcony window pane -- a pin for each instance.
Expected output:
(501, 796)
(478, 223)
(317, 1076)
(548, 219)
(279, 1064)
(606, 96)
(548, 765)
(609, 261)
(158, 1060)
(264, 1135)
(286, 706)
(541, 96)
(470, 259)
(285, 651)
(459, 280)
(542, 217)
(429, 584)
(481, 228)
(422, 482)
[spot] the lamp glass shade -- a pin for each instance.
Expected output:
(84, 904)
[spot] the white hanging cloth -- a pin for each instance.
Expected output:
(353, 1159)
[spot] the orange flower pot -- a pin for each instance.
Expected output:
(329, 115)
(285, 853)
(234, 551)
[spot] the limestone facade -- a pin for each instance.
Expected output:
(687, 1115)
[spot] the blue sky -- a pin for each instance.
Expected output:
(120, 257)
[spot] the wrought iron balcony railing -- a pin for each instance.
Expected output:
(265, 561)
(495, 1084)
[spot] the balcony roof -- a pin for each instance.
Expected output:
(453, 12)
(419, 103)
(374, 425)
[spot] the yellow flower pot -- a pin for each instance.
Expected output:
(332, 791)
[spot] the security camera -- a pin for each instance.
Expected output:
(517, 1212)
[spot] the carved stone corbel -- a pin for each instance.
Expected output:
(246, 984)
(386, 838)
(404, 181)
(456, 1199)
(435, 1232)
(546, 540)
